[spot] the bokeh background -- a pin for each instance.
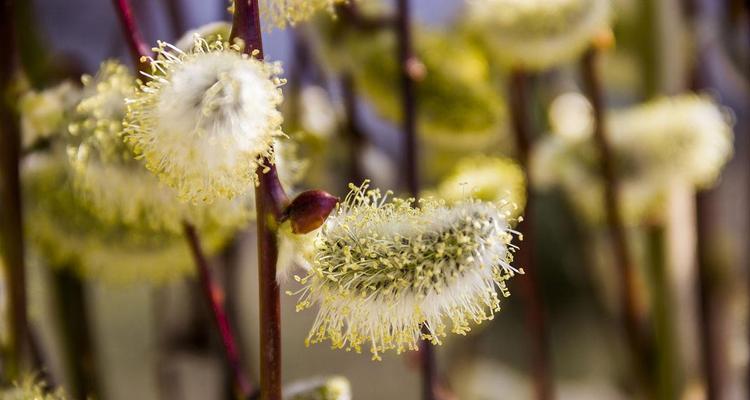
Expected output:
(156, 341)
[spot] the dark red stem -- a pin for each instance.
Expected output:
(136, 44)
(213, 294)
(270, 309)
(246, 26)
(355, 137)
(713, 352)
(11, 213)
(536, 320)
(406, 59)
(631, 303)
(270, 201)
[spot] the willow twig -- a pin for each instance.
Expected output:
(631, 301)
(139, 50)
(535, 315)
(11, 224)
(213, 295)
(270, 200)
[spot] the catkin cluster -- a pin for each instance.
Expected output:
(383, 269)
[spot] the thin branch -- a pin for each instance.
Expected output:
(631, 301)
(246, 26)
(11, 224)
(74, 321)
(406, 59)
(138, 47)
(354, 135)
(270, 200)
(536, 320)
(213, 294)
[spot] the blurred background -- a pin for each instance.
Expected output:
(155, 340)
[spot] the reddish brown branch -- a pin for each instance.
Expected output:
(214, 296)
(354, 135)
(246, 26)
(631, 303)
(136, 44)
(406, 59)
(408, 96)
(270, 309)
(536, 320)
(270, 200)
(11, 221)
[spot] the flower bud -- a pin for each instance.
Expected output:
(309, 210)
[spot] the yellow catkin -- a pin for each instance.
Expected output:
(383, 269)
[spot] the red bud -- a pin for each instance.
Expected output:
(308, 211)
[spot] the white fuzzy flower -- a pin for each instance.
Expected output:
(43, 114)
(457, 109)
(66, 233)
(288, 12)
(492, 179)
(329, 388)
(31, 389)
(281, 13)
(383, 270)
(318, 114)
(572, 116)
(210, 32)
(113, 183)
(685, 138)
(539, 34)
(207, 119)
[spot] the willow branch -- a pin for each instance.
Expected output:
(11, 224)
(214, 296)
(406, 59)
(535, 316)
(631, 302)
(270, 201)
(137, 46)
(355, 136)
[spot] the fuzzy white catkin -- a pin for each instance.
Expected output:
(29, 389)
(493, 179)
(43, 113)
(686, 138)
(116, 186)
(328, 388)
(207, 119)
(539, 34)
(283, 12)
(383, 269)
